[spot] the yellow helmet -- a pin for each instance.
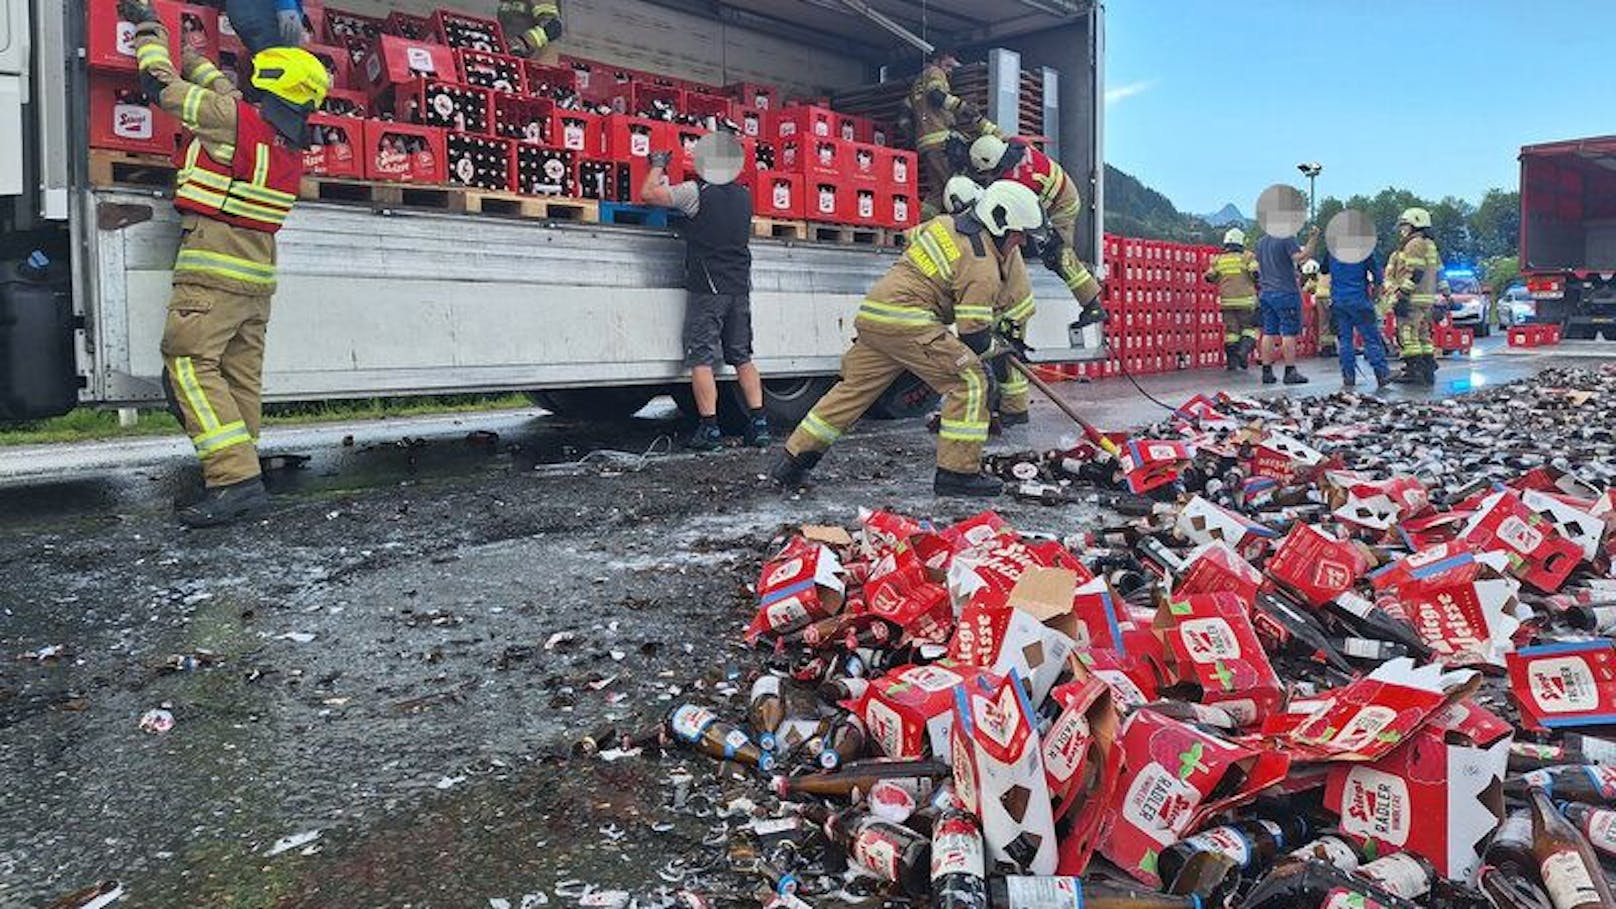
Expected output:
(1234, 236)
(291, 74)
(987, 152)
(1416, 218)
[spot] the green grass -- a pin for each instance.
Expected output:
(88, 424)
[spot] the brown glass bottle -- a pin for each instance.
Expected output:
(1511, 890)
(1597, 824)
(1591, 784)
(892, 851)
(842, 743)
(860, 776)
(1025, 892)
(701, 729)
(1567, 865)
(766, 710)
(1253, 844)
(1511, 846)
(1404, 874)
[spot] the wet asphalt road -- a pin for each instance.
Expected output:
(384, 677)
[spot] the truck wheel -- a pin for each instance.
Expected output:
(787, 401)
(906, 398)
(601, 404)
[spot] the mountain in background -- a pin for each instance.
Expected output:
(1133, 209)
(1227, 216)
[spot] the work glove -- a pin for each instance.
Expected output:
(997, 356)
(958, 153)
(136, 11)
(1052, 251)
(661, 159)
(290, 22)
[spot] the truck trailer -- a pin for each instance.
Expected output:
(1568, 233)
(389, 300)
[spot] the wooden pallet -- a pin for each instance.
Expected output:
(848, 234)
(536, 208)
(777, 229)
(381, 193)
(109, 168)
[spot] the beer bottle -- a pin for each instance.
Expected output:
(702, 730)
(1574, 748)
(1511, 890)
(1370, 621)
(841, 691)
(958, 866)
(1597, 824)
(1330, 849)
(1597, 618)
(892, 851)
(1253, 844)
(1312, 883)
(1593, 784)
(1303, 629)
(1404, 875)
(1511, 848)
(1371, 649)
(860, 775)
(1028, 892)
(766, 710)
(844, 742)
(1566, 863)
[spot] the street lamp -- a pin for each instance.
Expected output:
(1310, 170)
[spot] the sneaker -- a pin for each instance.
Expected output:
(965, 485)
(225, 504)
(1349, 380)
(1268, 377)
(791, 471)
(707, 437)
(757, 432)
(1293, 377)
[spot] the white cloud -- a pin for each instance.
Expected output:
(1113, 95)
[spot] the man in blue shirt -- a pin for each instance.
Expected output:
(1279, 301)
(1354, 311)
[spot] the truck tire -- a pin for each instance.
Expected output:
(906, 398)
(787, 401)
(597, 404)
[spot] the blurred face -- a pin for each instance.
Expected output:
(948, 62)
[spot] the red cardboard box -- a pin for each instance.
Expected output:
(779, 195)
(1202, 522)
(1026, 630)
(1214, 645)
(1565, 685)
(1439, 795)
(1538, 553)
(1315, 565)
(122, 117)
(404, 153)
(1082, 764)
(334, 149)
(998, 765)
(580, 132)
(1286, 459)
(803, 122)
(199, 30)
(1170, 772)
(1133, 679)
(109, 41)
(395, 61)
(1216, 568)
(909, 712)
(635, 137)
(801, 584)
(1367, 719)
(1148, 464)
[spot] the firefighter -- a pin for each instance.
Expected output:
(533, 26)
(995, 158)
(937, 113)
(1412, 274)
(1316, 281)
(237, 182)
(953, 272)
(1234, 271)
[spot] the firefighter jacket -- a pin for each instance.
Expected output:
(1414, 268)
(938, 111)
(1235, 274)
(1318, 286)
(531, 21)
(951, 273)
(1044, 176)
(237, 178)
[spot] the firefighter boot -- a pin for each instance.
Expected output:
(1011, 418)
(1293, 377)
(1383, 378)
(1428, 370)
(1411, 371)
(1247, 345)
(224, 504)
(1231, 357)
(965, 485)
(791, 471)
(1093, 314)
(1349, 379)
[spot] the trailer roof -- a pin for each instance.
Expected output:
(1598, 149)
(871, 26)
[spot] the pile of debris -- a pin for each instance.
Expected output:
(1348, 656)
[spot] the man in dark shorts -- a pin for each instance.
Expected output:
(717, 231)
(1279, 302)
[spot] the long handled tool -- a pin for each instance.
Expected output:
(1094, 435)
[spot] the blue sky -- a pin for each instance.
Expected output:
(1211, 102)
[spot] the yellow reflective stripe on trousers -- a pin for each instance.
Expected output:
(182, 371)
(203, 261)
(969, 429)
(955, 431)
(227, 436)
(892, 314)
(1238, 302)
(815, 426)
(932, 140)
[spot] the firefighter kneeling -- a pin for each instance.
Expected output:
(953, 272)
(237, 182)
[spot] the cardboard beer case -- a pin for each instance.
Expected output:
(909, 712)
(1365, 720)
(1216, 568)
(1214, 645)
(999, 772)
(801, 584)
(1026, 631)
(1202, 522)
(1565, 685)
(1316, 566)
(1082, 765)
(1539, 554)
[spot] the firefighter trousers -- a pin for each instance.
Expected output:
(213, 364)
(879, 355)
(1239, 323)
(1015, 394)
(1323, 307)
(1414, 330)
(935, 163)
(1073, 273)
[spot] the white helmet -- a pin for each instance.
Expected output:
(1006, 205)
(1234, 236)
(960, 194)
(987, 152)
(1310, 267)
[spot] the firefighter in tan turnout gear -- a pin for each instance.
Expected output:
(1316, 281)
(532, 27)
(1412, 275)
(1234, 271)
(237, 182)
(952, 273)
(937, 114)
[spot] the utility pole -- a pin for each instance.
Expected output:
(1311, 170)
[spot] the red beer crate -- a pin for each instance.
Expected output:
(346, 103)
(122, 117)
(396, 61)
(851, 128)
(643, 99)
(313, 18)
(635, 137)
(827, 199)
(340, 25)
(683, 140)
(578, 131)
(334, 143)
(543, 81)
(432, 102)
(881, 134)
(753, 122)
(866, 162)
(493, 71)
(715, 109)
(414, 28)
(404, 152)
(901, 209)
(754, 94)
(900, 169)
(463, 30)
(804, 121)
(1522, 336)
(865, 210)
(539, 170)
(818, 158)
(199, 30)
(524, 119)
(336, 61)
(480, 162)
(779, 195)
(605, 181)
(110, 41)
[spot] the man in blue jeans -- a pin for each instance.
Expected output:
(1354, 311)
(1279, 301)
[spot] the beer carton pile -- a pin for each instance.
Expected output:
(1315, 674)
